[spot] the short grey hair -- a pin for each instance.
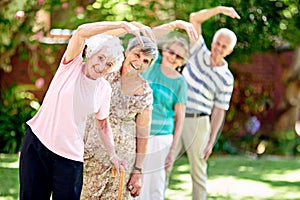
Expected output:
(178, 40)
(228, 33)
(149, 47)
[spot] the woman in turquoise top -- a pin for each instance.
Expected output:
(169, 98)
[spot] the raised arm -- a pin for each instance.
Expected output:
(84, 31)
(164, 29)
(197, 18)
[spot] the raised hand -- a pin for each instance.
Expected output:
(188, 27)
(229, 11)
(145, 30)
(137, 29)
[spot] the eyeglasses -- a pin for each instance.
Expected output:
(171, 52)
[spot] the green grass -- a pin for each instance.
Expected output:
(241, 178)
(230, 178)
(9, 176)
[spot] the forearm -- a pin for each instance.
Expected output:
(178, 120)
(203, 15)
(217, 119)
(94, 28)
(197, 18)
(141, 144)
(164, 29)
(106, 136)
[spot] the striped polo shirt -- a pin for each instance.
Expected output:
(207, 86)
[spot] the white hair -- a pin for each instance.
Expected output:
(228, 33)
(112, 46)
(149, 47)
(180, 41)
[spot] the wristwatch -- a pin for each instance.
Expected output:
(138, 169)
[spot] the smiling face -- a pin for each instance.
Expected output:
(136, 60)
(174, 55)
(220, 47)
(98, 65)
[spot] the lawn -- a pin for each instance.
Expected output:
(230, 178)
(237, 178)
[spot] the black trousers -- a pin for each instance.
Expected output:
(43, 173)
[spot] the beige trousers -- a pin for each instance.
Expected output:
(194, 138)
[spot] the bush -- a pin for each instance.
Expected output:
(16, 107)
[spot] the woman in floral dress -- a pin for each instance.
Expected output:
(130, 118)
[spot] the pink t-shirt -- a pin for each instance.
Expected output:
(60, 121)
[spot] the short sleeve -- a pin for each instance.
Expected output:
(182, 91)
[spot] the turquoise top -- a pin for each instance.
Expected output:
(167, 92)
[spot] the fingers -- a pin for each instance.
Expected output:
(232, 13)
(189, 28)
(139, 29)
(147, 31)
(192, 33)
(134, 191)
(118, 163)
(135, 183)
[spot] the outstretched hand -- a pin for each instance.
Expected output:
(188, 27)
(145, 30)
(230, 11)
(137, 29)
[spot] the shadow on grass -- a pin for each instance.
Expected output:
(237, 178)
(229, 178)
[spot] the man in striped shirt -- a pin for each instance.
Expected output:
(210, 85)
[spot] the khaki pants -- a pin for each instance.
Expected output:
(194, 138)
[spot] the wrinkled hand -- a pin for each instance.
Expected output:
(145, 30)
(117, 161)
(135, 184)
(207, 151)
(230, 11)
(169, 160)
(137, 29)
(188, 27)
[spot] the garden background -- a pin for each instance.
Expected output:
(266, 63)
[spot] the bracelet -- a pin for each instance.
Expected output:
(138, 169)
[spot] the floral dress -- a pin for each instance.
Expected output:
(98, 182)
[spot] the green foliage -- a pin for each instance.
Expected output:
(264, 26)
(15, 110)
(15, 27)
(284, 143)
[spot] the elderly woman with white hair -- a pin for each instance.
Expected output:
(51, 160)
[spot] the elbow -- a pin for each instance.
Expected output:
(192, 17)
(81, 31)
